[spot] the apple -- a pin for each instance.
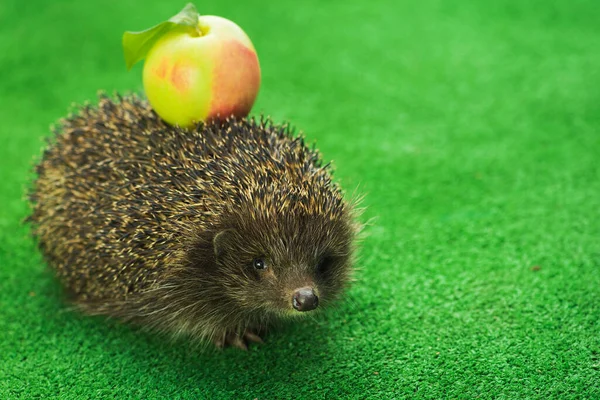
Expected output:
(197, 68)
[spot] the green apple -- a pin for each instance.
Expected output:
(197, 68)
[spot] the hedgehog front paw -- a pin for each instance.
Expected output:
(234, 339)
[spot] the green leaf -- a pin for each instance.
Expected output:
(137, 44)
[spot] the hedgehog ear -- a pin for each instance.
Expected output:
(223, 241)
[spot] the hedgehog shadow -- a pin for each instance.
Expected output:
(186, 363)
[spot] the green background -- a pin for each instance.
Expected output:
(471, 126)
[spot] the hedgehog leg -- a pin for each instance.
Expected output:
(252, 337)
(234, 339)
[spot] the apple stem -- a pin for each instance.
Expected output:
(201, 30)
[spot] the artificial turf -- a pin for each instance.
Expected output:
(472, 127)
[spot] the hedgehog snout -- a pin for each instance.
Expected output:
(305, 299)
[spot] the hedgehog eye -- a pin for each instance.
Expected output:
(259, 263)
(324, 264)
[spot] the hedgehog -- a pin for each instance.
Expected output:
(214, 232)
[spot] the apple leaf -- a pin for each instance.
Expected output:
(137, 44)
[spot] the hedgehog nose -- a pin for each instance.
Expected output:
(305, 299)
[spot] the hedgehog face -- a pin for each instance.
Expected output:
(285, 266)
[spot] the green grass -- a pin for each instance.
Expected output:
(474, 129)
